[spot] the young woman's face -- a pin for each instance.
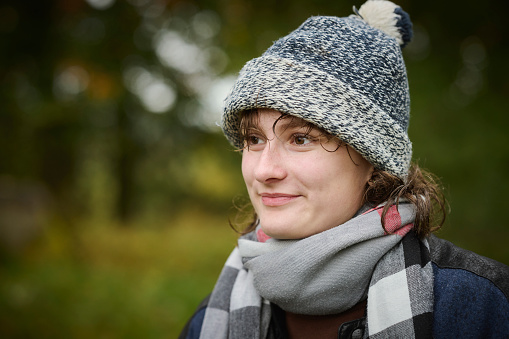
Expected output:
(297, 183)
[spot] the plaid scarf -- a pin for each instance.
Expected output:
(391, 268)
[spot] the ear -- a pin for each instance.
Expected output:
(369, 173)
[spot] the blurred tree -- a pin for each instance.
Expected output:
(103, 100)
(108, 82)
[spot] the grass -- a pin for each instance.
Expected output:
(113, 282)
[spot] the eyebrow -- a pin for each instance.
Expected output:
(293, 122)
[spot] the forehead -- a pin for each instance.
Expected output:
(253, 119)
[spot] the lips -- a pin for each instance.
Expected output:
(277, 199)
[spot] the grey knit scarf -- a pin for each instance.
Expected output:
(328, 273)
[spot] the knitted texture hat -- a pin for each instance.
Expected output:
(344, 75)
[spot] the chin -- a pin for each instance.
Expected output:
(276, 232)
(282, 232)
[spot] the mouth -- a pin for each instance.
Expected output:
(277, 199)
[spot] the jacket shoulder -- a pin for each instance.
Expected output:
(470, 292)
(192, 329)
(446, 255)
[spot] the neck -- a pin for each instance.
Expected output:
(302, 326)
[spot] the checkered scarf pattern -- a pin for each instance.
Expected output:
(400, 295)
(399, 283)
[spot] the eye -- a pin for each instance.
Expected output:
(302, 139)
(253, 140)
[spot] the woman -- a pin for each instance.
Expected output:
(341, 243)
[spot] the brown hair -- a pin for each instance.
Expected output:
(420, 188)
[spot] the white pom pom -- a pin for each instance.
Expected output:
(380, 14)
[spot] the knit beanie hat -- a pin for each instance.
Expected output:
(344, 75)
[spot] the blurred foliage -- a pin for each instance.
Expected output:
(116, 185)
(112, 282)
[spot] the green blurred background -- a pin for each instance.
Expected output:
(117, 187)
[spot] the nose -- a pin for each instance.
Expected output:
(270, 165)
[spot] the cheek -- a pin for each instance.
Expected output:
(344, 177)
(247, 168)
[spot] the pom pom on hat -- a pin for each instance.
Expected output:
(345, 75)
(389, 18)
